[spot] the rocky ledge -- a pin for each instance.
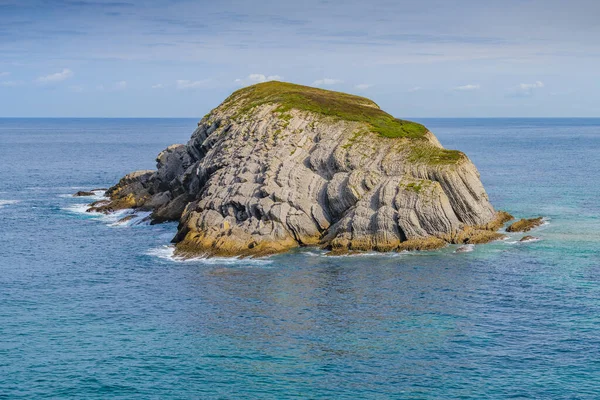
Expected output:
(525, 225)
(278, 165)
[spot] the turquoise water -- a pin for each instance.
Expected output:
(89, 309)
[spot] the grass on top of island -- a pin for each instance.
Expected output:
(326, 102)
(342, 106)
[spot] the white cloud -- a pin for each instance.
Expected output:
(76, 88)
(159, 86)
(326, 81)
(363, 86)
(527, 89)
(468, 87)
(183, 84)
(257, 78)
(530, 86)
(11, 83)
(414, 89)
(56, 77)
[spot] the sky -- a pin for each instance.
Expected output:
(427, 58)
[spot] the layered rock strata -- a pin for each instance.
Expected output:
(277, 166)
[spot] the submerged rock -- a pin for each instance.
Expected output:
(278, 165)
(525, 225)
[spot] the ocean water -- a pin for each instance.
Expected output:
(92, 309)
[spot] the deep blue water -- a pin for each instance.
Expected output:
(95, 311)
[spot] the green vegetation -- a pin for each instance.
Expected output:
(413, 186)
(325, 102)
(427, 154)
(353, 139)
(416, 185)
(341, 106)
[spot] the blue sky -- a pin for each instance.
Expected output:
(428, 58)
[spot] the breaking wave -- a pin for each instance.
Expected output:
(7, 202)
(127, 217)
(465, 248)
(168, 253)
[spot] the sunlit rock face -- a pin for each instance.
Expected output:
(278, 166)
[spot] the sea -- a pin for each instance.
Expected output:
(91, 308)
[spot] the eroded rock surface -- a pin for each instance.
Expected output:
(261, 177)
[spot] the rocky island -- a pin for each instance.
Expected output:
(278, 166)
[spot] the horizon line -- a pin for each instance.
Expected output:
(463, 117)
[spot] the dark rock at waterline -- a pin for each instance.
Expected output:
(96, 206)
(82, 193)
(99, 203)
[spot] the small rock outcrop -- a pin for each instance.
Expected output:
(529, 238)
(82, 193)
(278, 165)
(525, 225)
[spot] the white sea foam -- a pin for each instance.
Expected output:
(167, 253)
(312, 253)
(368, 254)
(114, 218)
(466, 248)
(315, 252)
(7, 202)
(137, 218)
(534, 239)
(81, 208)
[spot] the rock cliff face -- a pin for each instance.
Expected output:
(278, 166)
